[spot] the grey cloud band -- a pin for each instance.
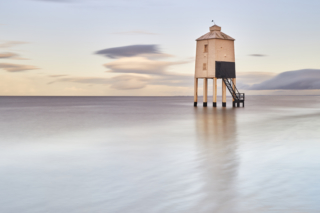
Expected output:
(129, 51)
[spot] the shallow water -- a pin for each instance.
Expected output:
(159, 154)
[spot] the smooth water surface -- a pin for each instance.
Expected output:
(159, 155)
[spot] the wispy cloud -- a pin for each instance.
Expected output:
(306, 79)
(138, 59)
(135, 32)
(8, 44)
(129, 51)
(140, 65)
(16, 67)
(57, 76)
(58, 1)
(258, 55)
(9, 55)
(84, 80)
(132, 81)
(247, 79)
(125, 82)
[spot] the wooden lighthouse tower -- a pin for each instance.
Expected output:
(215, 59)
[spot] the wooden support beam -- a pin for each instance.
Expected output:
(205, 92)
(224, 94)
(214, 92)
(234, 87)
(195, 102)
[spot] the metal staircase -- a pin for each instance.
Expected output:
(237, 97)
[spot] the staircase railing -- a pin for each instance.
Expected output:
(236, 95)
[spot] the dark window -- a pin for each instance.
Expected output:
(206, 48)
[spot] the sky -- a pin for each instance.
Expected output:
(147, 47)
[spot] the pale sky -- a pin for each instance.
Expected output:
(147, 47)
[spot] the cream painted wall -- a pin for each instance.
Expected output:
(224, 50)
(201, 58)
(218, 50)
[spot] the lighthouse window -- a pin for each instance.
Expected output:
(204, 66)
(206, 48)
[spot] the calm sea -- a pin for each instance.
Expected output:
(159, 155)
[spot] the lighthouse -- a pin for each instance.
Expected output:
(215, 59)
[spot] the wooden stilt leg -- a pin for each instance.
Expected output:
(195, 100)
(205, 92)
(214, 92)
(224, 94)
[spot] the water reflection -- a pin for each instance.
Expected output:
(155, 155)
(217, 141)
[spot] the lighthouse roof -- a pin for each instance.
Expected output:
(215, 32)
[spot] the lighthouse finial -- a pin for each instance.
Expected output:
(213, 22)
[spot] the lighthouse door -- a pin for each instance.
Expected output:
(225, 69)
